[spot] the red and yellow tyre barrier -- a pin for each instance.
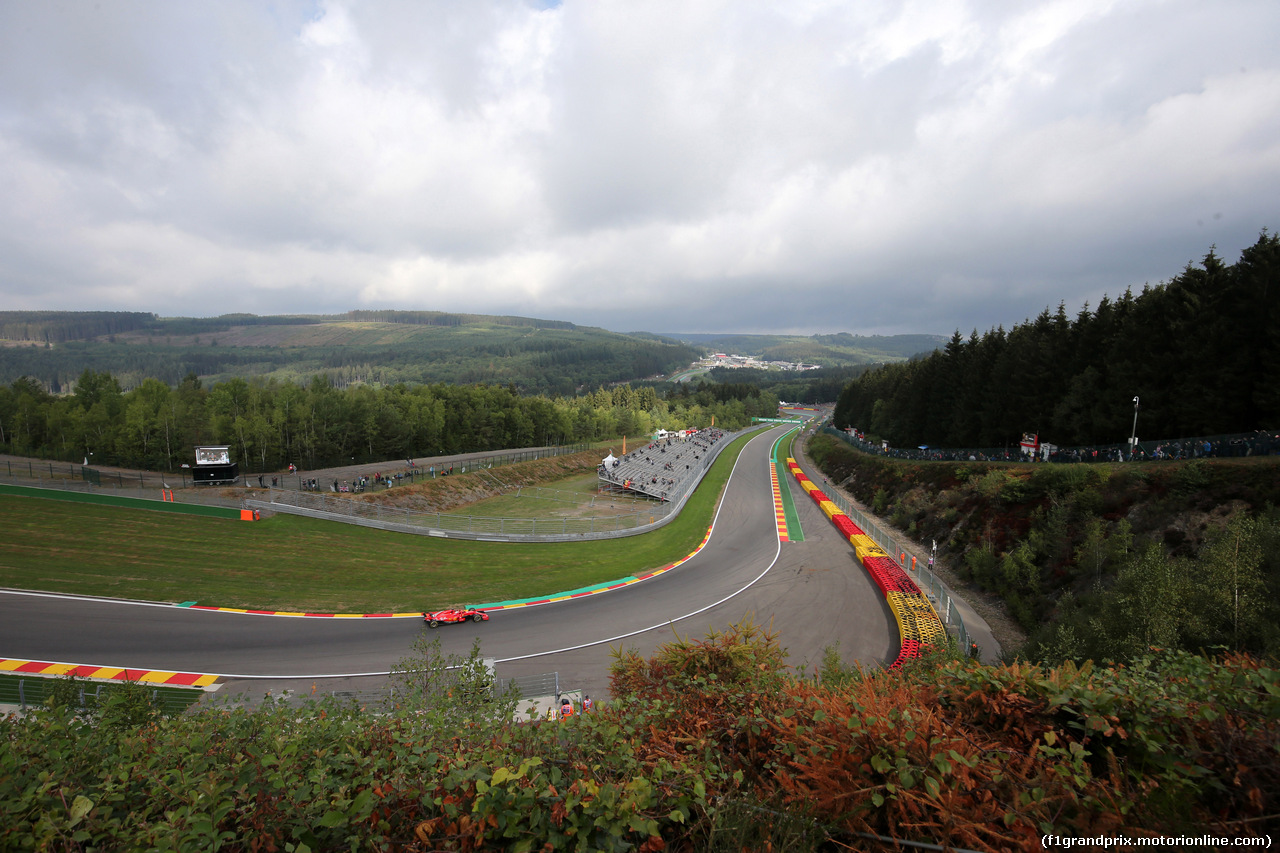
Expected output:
(889, 576)
(919, 627)
(916, 618)
(862, 540)
(846, 526)
(865, 552)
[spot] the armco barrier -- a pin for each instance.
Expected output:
(487, 529)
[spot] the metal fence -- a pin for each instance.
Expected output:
(60, 473)
(293, 495)
(335, 507)
(388, 697)
(80, 478)
(320, 505)
(400, 473)
(1237, 445)
(30, 693)
(156, 492)
(1229, 446)
(938, 594)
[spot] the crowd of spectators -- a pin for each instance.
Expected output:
(660, 468)
(1258, 443)
(378, 480)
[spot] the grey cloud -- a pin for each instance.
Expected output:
(826, 166)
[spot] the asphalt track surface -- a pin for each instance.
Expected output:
(813, 594)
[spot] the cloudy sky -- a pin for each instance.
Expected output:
(798, 166)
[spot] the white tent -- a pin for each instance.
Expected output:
(609, 460)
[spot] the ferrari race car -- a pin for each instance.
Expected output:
(446, 616)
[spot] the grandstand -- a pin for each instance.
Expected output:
(661, 469)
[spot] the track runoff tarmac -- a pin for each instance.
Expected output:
(812, 593)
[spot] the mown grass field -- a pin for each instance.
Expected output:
(573, 497)
(294, 563)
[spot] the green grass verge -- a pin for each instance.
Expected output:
(295, 563)
(571, 497)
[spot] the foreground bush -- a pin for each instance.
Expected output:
(708, 745)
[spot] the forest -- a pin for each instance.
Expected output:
(270, 424)
(824, 350)
(1201, 352)
(1094, 562)
(809, 387)
(359, 347)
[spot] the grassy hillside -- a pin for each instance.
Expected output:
(1100, 561)
(371, 347)
(304, 564)
(825, 350)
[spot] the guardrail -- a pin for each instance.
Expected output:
(68, 472)
(332, 507)
(401, 472)
(30, 692)
(372, 514)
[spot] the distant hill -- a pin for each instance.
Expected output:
(826, 350)
(371, 347)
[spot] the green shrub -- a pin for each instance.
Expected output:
(880, 504)
(709, 744)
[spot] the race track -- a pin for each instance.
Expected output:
(813, 593)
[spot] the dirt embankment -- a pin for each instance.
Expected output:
(445, 494)
(466, 485)
(448, 493)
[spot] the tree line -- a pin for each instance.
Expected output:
(377, 347)
(808, 387)
(54, 327)
(1200, 352)
(546, 365)
(270, 424)
(1095, 562)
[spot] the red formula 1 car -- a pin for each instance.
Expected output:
(446, 616)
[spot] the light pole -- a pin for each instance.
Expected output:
(1133, 439)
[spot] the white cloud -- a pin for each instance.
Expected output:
(814, 166)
